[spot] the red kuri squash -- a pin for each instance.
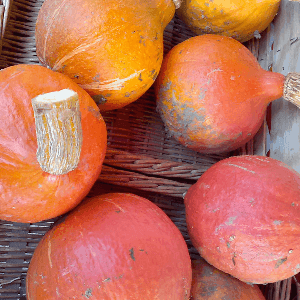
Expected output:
(111, 48)
(209, 283)
(114, 246)
(243, 217)
(212, 94)
(69, 134)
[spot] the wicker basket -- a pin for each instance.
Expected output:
(141, 158)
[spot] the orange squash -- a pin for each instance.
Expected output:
(112, 49)
(113, 246)
(209, 283)
(243, 217)
(38, 185)
(212, 94)
(240, 19)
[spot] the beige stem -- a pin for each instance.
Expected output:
(291, 88)
(58, 129)
(177, 3)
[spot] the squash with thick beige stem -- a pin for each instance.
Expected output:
(58, 130)
(112, 49)
(52, 143)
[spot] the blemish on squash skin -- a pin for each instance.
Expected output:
(96, 77)
(154, 76)
(166, 87)
(152, 72)
(202, 94)
(297, 269)
(128, 94)
(95, 112)
(185, 119)
(229, 222)
(142, 250)
(99, 99)
(142, 40)
(119, 277)
(88, 293)
(280, 262)
(231, 238)
(233, 258)
(131, 253)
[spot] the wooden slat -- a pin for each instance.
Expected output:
(281, 54)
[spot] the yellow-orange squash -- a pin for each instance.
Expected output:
(240, 19)
(113, 49)
(28, 193)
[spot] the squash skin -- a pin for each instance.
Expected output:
(215, 102)
(29, 194)
(114, 246)
(243, 217)
(241, 20)
(112, 50)
(209, 283)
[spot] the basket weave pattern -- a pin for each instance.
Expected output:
(141, 158)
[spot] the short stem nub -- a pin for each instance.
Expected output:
(58, 129)
(177, 3)
(291, 88)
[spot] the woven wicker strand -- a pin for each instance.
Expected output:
(140, 157)
(143, 182)
(153, 166)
